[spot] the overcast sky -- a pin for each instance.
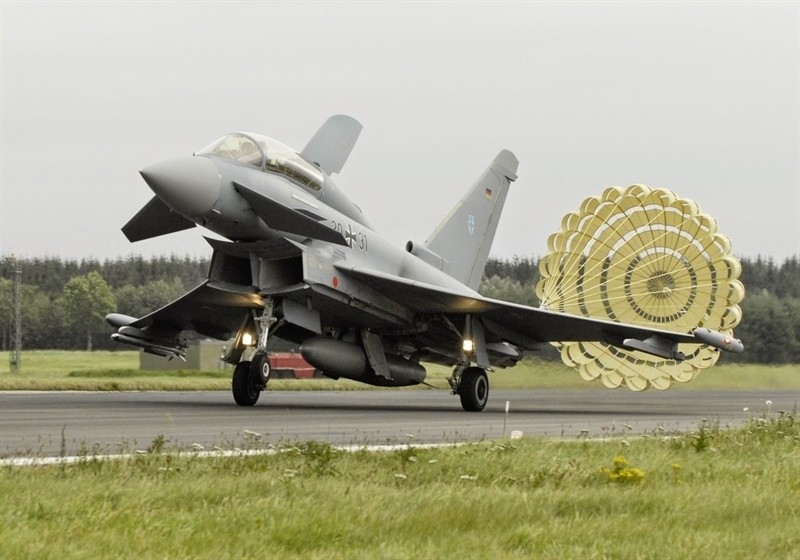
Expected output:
(701, 98)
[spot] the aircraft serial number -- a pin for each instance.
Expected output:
(354, 239)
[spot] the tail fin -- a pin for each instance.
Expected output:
(465, 236)
(331, 145)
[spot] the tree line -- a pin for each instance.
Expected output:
(65, 301)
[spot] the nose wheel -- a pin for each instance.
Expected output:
(250, 378)
(472, 387)
(260, 368)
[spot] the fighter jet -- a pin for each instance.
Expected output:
(302, 262)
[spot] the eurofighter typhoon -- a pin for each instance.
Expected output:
(302, 262)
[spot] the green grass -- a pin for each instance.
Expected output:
(708, 494)
(57, 363)
(117, 371)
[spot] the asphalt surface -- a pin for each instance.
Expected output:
(67, 423)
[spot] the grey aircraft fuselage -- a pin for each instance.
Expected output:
(302, 261)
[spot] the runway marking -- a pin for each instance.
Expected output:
(217, 453)
(221, 453)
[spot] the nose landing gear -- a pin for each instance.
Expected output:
(249, 380)
(251, 377)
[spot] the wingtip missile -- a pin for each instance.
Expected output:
(119, 320)
(719, 340)
(127, 334)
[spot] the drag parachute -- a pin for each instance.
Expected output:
(641, 255)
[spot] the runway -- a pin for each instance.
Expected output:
(68, 423)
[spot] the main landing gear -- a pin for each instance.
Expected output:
(471, 384)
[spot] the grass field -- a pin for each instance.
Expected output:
(707, 494)
(118, 371)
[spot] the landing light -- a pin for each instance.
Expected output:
(468, 346)
(247, 339)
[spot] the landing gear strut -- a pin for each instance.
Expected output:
(251, 377)
(471, 384)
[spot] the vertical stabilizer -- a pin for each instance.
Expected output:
(464, 238)
(331, 145)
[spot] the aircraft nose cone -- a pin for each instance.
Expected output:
(189, 185)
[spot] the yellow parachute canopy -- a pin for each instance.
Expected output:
(641, 255)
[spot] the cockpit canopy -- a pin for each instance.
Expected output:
(266, 154)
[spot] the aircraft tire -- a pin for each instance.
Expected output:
(246, 389)
(260, 368)
(474, 389)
